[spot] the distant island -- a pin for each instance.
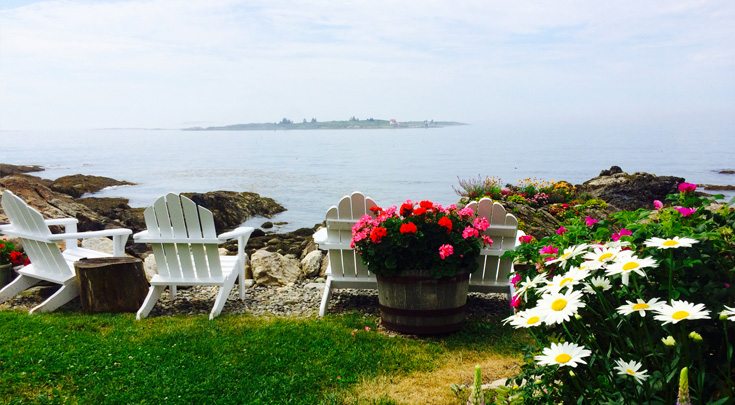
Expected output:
(352, 123)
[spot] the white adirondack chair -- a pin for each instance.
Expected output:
(346, 269)
(493, 272)
(48, 263)
(184, 243)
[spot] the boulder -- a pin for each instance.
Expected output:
(311, 264)
(630, 191)
(267, 225)
(149, 267)
(232, 208)
(118, 209)
(726, 171)
(293, 243)
(324, 266)
(77, 184)
(7, 169)
(36, 193)
(103, 245)
(274, 269)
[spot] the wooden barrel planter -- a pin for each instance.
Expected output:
(418, 304)
(6, 274)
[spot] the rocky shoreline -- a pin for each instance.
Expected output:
(288, 269)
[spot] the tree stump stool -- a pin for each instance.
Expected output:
(111, 284)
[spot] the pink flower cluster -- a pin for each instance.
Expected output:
(590, 222)
(687, 187)
(623, 232)
(685, 212)
(445, 251)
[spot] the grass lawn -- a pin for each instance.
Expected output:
(71, 357)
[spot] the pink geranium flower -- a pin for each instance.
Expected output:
(561, 231)
(515, 279)
(487, 240)
(623, 232)
(590, 222)
(515, 301)
(466, 212)
(687, 187)
(525, 239)
(470, 232)
(481, 224)
(685, 212)
(548, 250)
(446, 251)
(657, 204)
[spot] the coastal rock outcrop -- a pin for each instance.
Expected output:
(50, 204)
(117, 209)
(77, 184)
(231, 208)
(8, 169)
(295, 243)
(630, 191)
(274, 269)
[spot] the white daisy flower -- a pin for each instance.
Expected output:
(563, 354)
(569, 254)
(560, 307)
(599, 282)
(729, 313)
(568, 279)
(526, 286)
(526, 319)
(679, 311)
(631, 368)
(601, 256)
(639, 306)
(626, 263)
(672, 243)
(616, 244)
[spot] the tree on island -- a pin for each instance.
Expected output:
(313, 120)
(285, 121)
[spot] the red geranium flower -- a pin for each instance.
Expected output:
(16, 258)
(406, 209)
(377, 234)
(376, 209)
(446, 223)
(426, 204)
(419, 211)
(408, 227)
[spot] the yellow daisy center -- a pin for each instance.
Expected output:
(679, 315)
(605, 256)
(640, 306)
(559, 304)
(630, 266)
(629, 371)
(532, 320)
(563, 358)
(670, 243)
(565, 281)
(566, 256)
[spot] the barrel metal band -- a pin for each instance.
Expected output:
(422, 312)
(419, 279)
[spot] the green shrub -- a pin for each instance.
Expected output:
(627, 302)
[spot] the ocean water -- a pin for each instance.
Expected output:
(308, 171)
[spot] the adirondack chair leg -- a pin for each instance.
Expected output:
(154, 293)
(21, 283)
(66, 293)
(326, 296)
(172, 291)
(241, 283)
(224, 292)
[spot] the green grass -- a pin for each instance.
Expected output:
(67, 357)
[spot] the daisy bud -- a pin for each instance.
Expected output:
(695, 336)
(723, 316)
(571, 373)
(577, 316)
(669, 340)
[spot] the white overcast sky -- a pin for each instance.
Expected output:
(165, 63)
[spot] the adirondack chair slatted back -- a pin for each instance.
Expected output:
(503, 228)
(179, 219)
(44, 254)
(345, 262)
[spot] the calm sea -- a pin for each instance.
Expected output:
(307, 171)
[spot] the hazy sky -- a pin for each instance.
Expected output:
(165, 63)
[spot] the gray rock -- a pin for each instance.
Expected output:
(7, 169)
(312, 263)
(103, 245)
(267, 225)
(274, 269)
(149, 266)
(323, 268)
(630, 191)
(77, 184)
(232, 208)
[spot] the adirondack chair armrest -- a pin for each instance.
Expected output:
(236, 233)
(320, 236)
(119, 237)
(140, 235)
(61, 221)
